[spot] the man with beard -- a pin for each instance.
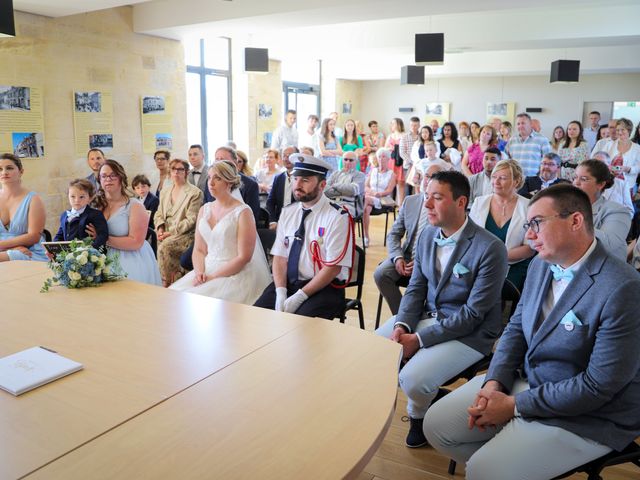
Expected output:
(547, 176)
(300, 285)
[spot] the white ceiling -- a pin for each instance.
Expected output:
(372, 39)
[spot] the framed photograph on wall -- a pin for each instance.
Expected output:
(505, 111)
(437, 111)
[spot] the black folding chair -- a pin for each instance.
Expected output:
(357, 281)
(631, 454)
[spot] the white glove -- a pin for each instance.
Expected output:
(281, 297)
(293, 303)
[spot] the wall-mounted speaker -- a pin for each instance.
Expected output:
(565, 71)
(405, 109)
(429, 48)
(256, 60)
(533, 110)
(7, 24)
(412, 75)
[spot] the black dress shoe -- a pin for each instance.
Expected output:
(416, 438)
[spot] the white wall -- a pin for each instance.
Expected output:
(468, 96)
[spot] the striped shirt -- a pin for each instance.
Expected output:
(528, 152)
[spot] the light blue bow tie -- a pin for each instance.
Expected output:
(71, 214)
(444, 242)
(561, 274)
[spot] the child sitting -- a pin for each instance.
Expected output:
(73, 223)
(431, 158)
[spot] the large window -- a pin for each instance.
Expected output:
(301, 88)
(208, 83)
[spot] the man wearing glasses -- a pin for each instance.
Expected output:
(346, 187)
(546, 177)
(563, 387)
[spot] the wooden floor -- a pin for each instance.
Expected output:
(394, 461)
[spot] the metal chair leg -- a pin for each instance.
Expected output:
(379, 311)
(452, 467)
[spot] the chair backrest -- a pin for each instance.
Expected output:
(357, 274)
(47, 235)
(263, 218)
(510, 293)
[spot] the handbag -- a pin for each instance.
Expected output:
(396, 156)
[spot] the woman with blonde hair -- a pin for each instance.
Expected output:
(265, 175)
(175, 221)
(504, 213)
(243, 164)
(228, 260)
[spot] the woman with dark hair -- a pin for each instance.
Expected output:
(557, 138)
(417, 151)
(449, 144)
(474, 127)
(573, 150)
(472, 160)
(603, 132)
(228, 260)
(329, 148)
(22, 215)
(611, 220)
(127, 220)
(176, 221)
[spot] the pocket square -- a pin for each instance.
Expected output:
(459, 270)
(570, 320)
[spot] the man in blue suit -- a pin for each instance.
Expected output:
(280, 194)
(450, 315)
(564, 385)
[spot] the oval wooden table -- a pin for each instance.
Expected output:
(181, 386)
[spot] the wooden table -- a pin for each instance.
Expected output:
(181, 386)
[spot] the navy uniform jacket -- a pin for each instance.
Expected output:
(76, 229)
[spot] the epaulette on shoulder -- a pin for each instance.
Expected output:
(293, 204)
(340, 208)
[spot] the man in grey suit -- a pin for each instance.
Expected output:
(411, 220)
(198, 173)
(450, 314)
(563, 387)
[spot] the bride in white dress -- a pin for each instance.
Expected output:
(228, 260)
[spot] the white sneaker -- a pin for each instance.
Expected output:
(366, 242)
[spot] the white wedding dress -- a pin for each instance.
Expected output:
(222, 245)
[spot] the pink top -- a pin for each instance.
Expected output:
(475, 158)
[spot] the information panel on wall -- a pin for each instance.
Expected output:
(93, 121)
(21, 121)
(157, 118)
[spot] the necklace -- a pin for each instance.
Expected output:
(505, 204)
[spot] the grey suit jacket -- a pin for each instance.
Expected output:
(612, 223)
(202, 181)
(587, 379)
(468, 305)
(406, 223)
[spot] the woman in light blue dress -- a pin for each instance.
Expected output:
(22, 215)
(128, 222)
(328, 145)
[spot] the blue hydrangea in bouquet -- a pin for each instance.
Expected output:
(81, 265)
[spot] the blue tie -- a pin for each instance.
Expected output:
(561, 274)
(296, 249)
(444, 242)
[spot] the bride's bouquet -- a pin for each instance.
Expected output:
(80, 265)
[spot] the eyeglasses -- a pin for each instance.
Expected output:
(178, 169)
(110, 176)
(534, 223)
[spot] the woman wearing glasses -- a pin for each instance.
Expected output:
(127, 220)
(503, 213)
(611, 220)
(176, 221)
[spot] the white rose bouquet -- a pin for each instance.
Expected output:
(80, 265)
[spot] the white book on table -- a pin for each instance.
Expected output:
(28, 369)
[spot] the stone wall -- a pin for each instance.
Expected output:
(94, 51)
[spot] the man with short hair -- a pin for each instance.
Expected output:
(198, 173)
(564, 382)
(480, 182)
(407, 141)
(450, 314)
(299, 284)
(527, 146)
(548, 175)
(591, 131)
(411, 220)
(346, 186)
(603, 143)
(280, 195)
(285, 135)
(95, 159)
(306, 137)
